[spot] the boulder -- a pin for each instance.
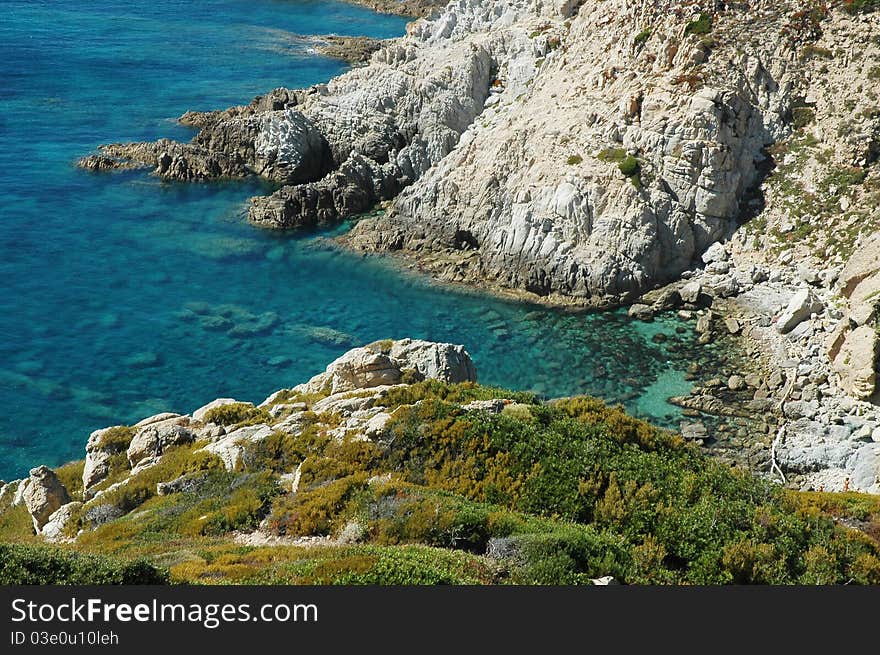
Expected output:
(736, 383)
(151, 440)
(230, 447)
(54, 528)
(44, 495)
(641, 312)
(800, 307)
(690, 292)
(715, 253)
(436, 361)
(860, 279)
(855, 362)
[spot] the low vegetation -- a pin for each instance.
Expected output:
(39, 565)
(536, 493)
(700, 26)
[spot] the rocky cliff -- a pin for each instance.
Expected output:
(587, 153)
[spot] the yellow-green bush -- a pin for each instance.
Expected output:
(236, 414)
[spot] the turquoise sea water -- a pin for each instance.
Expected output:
(123, 296)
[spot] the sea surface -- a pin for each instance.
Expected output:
(123, 296)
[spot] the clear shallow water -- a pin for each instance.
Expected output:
(123, 296)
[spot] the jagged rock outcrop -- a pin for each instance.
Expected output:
(353, 49)
(100, 449)
(44, 495)
(390, 363)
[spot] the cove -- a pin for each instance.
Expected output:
(124, 296)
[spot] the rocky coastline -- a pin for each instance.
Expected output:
(694, 159)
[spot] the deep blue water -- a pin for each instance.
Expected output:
(123, 296)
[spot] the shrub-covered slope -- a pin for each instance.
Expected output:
(462, 484)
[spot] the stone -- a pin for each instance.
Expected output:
(690, 292)
(860, 279)
(736, 383)
(153, 439)
(641, 312)
(704, 323)
(732, 325)
(801, 306)
(99, 451)
(715, 253)
(184, 483)
(368, 367)
(435, 361)
(694, 431)
(855, 363)
(199, 414)
(753, 380)
(808, 275)
(230, 447)
(44, 495)
(54, 528)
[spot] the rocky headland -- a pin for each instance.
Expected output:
(714, 158)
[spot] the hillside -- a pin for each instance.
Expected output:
(395, 467)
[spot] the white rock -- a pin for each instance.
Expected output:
(230, 447)
(44, 495)
(800, 307)
(54, 528)
(690, 292)
(715, 253)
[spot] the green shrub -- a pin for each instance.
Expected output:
(861, 6)
(700, 26)
(574, 160)
(629, 166)
(70, 475)
(315, 511)
(642, 37)
(175, 462)
(235, 414)
(39, 565)
(463, 392)
(615, 155)
(116, 438)
(802, 116)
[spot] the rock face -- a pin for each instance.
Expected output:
(44, 495)
(99, 451)
(370, 366)
(853, 347)
(153, 437)
(855, 362)
(554, 148)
